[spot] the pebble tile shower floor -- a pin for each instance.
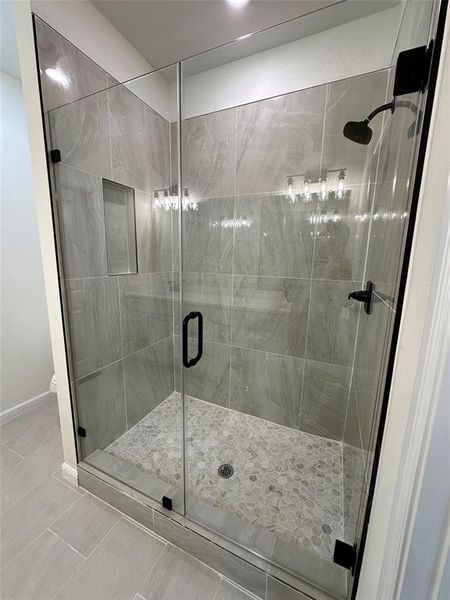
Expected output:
(284, 480)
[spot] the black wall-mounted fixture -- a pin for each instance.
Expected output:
(365, 296)
(344, 555)
(412, 70)
(411, 75)
(167, 502)
(187, 362)
(55, 155)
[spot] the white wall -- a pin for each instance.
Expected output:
(429, 547)
(351, 49)
(30, 86)
(26, 359)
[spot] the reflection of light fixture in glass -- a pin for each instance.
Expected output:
(322, 186)
(58, 76)
(188, 203)
(307, 193)
(323, 192)
(237, 223)
(341, 187)
(291, 189)
(168, 200)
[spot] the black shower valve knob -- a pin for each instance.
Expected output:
(361, 296)
(365, 296)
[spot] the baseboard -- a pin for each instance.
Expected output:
(23, 407)
(69, 473)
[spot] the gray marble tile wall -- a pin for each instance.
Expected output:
(272, 277)
(66, 73)
(120, 327)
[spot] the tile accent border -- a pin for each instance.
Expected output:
(251, 572)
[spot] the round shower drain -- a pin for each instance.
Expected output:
(225, 471)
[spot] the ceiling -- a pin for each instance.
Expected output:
(165, 31)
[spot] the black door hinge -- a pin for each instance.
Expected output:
(413, 70)
(55, 155)
(81, 431)
(166, 502)
(345, 555)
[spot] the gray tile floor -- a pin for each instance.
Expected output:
(60, 542)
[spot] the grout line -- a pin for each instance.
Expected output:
(271, 193)
(66, 511)
(139, 273)
(233, 242)
(24, 549)
(153, 567)
(119, 303)
(122, 359)
(105, 535)
(253, 275)
(308, 314)
(15, 437)
(66, 543)
(219, 583)
(60, 589)
(109, 131)
(7, 564)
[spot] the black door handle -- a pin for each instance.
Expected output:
(193, 361)
(365, 296)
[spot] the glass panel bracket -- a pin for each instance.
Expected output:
(345, 555)
(412, 70)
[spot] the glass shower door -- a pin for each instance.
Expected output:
(114, 204)
(287, 218)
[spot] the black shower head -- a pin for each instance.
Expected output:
(358, 131)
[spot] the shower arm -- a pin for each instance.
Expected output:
(389, 106)
(392, 105)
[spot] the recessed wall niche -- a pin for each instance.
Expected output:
(120, 228)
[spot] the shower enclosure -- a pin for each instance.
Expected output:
(212, 222)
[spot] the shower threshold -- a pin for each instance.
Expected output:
(287, 484)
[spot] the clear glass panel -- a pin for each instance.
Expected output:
(116, 246)
(287, 218)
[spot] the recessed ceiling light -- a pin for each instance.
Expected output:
(237, 3)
